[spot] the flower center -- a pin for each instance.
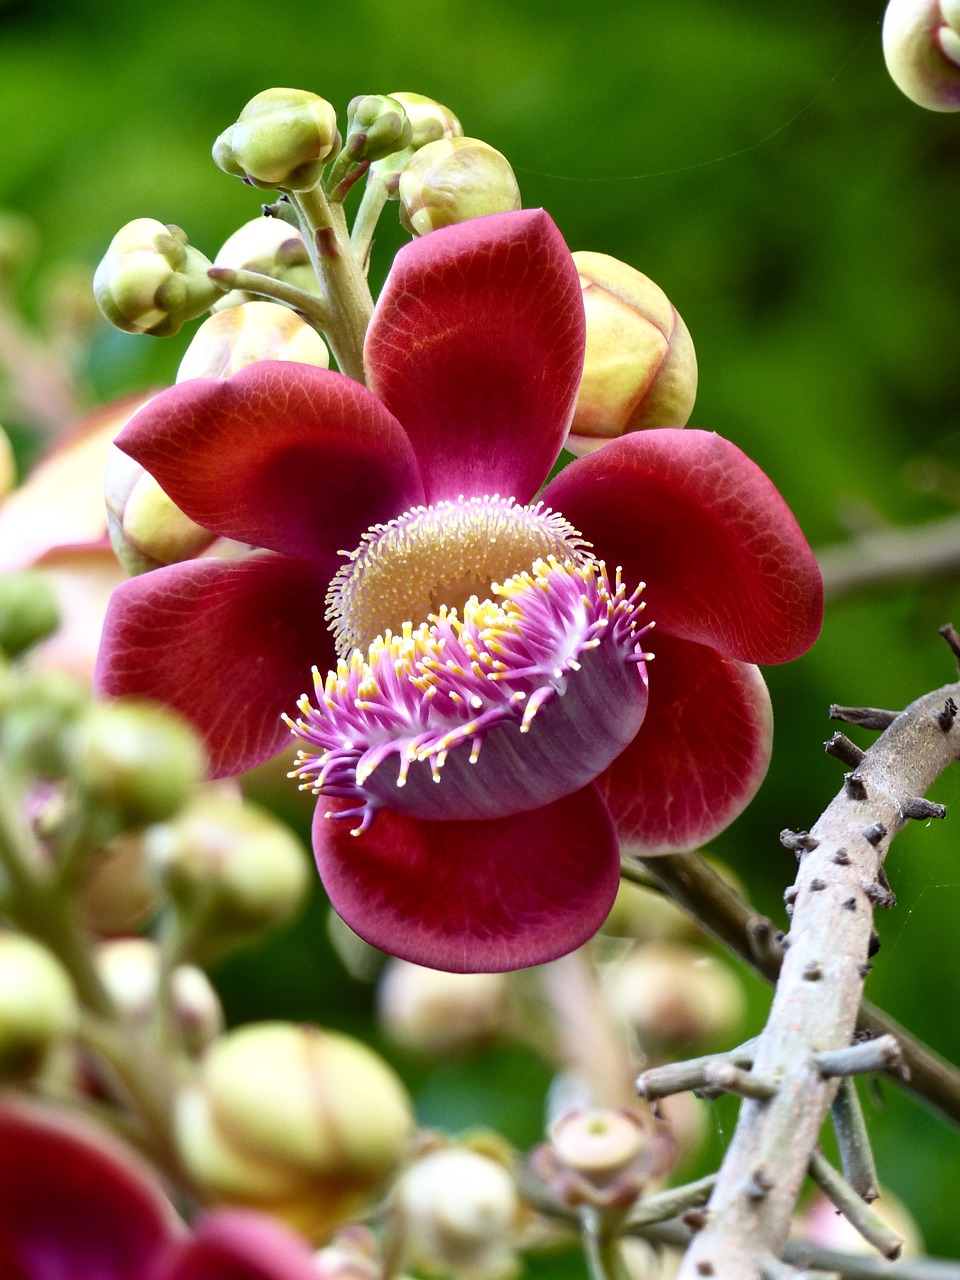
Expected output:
(437, 557)
(526, 697)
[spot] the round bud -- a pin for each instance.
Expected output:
(28, 610)
(441, 1013)
(673, 996)
(293, 1119)
(130, 970)
(599, 1143)
(118, 891)
(429, 121)
(640, 368)
(8, 465)
(921, 45)
(282, 139)
(377, 126)
(245, 866)
(458, 1211)
(452, 180)
(272, 247)
(38, 1007)
(138, 760)
(147, 529)
(152, 281)
(40, 712)
(230, 340)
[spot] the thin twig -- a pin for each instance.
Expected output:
(891, 556)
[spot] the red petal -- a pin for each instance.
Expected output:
(227, 643)
(473, 897)
(73, 1202)
(476, 346)
(685, 511)
(281, 455)
(239, 1244)
(700, 755)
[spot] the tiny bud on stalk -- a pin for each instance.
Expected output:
(130, 970)
(152, 281)
(640, 368)
(377, 126)
(921, 45)
(453, 180)
(282, 139)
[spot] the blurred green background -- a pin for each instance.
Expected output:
(754, 160)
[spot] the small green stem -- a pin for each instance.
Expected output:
(264, 286)
(601, 1247)
(371, 206)
(346, 294)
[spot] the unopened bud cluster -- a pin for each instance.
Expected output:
(152, 280)
(282, 139)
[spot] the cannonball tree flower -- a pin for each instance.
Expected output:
(75, 1202)
(486, 725)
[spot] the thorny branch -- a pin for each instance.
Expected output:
(815, 1008)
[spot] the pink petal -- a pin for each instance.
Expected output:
(476, 346)
(237, 1244)
(227, 643)
(685, 511)
(281, 455)
(700, 755)
(483, 896)
(74, 1204)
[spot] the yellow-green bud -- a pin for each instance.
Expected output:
(293, 1119)
(28, 610)
(152, 280)
(458, 1212)
(246, 867)
(138, 760)
(118, 891)
(441, 1013)
(282, 139)
(640, 368)
(921, 45)
(41, 709)
(38, 1007)
(452, 180)
(673, 996)
(230, 340)
(147, 529)
(429, 121)
(8, 465)
(272, 247)
(130, 970)
(377, 126)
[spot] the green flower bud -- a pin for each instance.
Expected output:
(147, 529)
(244, 868)
(377, 126)
(229, 340)
(458, 1213)
(38, 1007)
(441, 1013)
(272, 247)
(282, 139)
(292, 1119)
(673, 996)
(8, 465)
(429, 121)
(28, 610)
(452, 180)
(137, 760)
(921, 45)
(130, 970)
(41, 710)
(640, 368)
(151, 279)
